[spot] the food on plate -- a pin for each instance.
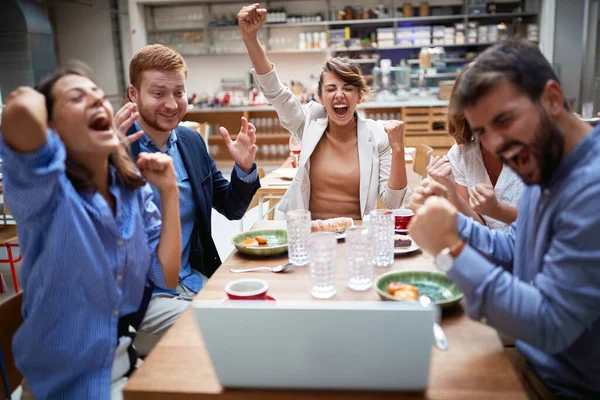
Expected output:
(257, 241)
(403, 291)
(249, 242)
(402, 241)
(331, 225)
(260, 240)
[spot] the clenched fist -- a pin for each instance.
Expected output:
(483, 199)
(158, 169)
(395, 132)
(251, 19)
(434, 226)
(440, 170)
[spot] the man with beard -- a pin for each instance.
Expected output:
(159, 102)
(540, 281)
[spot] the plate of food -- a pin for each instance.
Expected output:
(263, 242)
(409, 285)
(339, 226)
(403, 244)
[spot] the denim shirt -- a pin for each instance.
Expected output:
(187, 277)
(83, 268)
(540, 281)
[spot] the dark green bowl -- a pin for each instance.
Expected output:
(276, 240)
(435, 285)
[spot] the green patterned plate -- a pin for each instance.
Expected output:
(436, 285)
(276, 242)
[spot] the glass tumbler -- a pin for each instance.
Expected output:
(382, 230)
(298, 231)
(322, 252)
(359, 246)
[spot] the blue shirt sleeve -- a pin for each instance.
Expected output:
(561, 302)
(152, 225)
(495, 245)
(247, 178)
(32, 180)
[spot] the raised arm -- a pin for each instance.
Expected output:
(158, 169)
(291, 113)
(25, 120)
(251, 19)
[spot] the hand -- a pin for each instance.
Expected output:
(483, 199)
(395, 132)
(243, 148)
(440, 170)
(428, 188)
(434, 226)
(158, 169)
(123, 120)
(250, 19)
(25, 111)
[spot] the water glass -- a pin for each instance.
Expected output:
(359, 245)
(382, 230)
(298, 231)
(321, 252)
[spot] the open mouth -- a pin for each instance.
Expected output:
(100, 122)
(520, 157)
(168, 115)
(340, 110)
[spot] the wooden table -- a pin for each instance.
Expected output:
(474, 367)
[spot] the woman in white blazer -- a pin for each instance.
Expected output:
(355, 161)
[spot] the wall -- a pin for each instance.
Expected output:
(568, 48)
(84, 32)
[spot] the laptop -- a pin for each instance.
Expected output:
(318, 344)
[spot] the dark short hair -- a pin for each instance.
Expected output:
(348, 71)
(517, 61)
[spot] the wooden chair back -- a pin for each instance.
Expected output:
(422, 158)
(10, 315)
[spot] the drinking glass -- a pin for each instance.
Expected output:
(295, 147)
(359, 245)
(321, 253)
(382, 228)
(298, 230)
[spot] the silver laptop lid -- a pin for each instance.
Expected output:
(318, 344)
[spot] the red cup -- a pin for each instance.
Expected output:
(402, 217)
(247, 289)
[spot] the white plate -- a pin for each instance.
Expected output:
(405, 250)
(286, 173)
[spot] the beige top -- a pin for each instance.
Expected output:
(335, 174)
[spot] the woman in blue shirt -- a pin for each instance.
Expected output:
(90, 234)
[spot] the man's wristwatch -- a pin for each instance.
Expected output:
(444, 260)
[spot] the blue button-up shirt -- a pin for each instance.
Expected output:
(83, 268)
(540, 282)
(187, 206)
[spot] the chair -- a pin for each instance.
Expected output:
(10, 315)
(8, 234)
(422, 158)
(254, 201)
(200, 127)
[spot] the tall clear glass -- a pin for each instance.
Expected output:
(298, 231)
(382, 230)
(321, 252)
(359, 246)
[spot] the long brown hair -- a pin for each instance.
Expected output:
(456, 123)
(120, 158)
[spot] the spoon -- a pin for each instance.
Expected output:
(279, 268)
(438, 333)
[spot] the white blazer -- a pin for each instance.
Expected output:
(308, 122)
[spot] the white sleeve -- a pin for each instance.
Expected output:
(291, 113)
(457, 163)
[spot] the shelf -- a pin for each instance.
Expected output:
(298, 24)
(439, 75)
(446, 60)
(175, 30)
(502, 15)
(355, 49)
(296, 51)
(365, 60)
